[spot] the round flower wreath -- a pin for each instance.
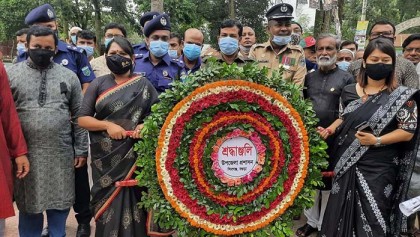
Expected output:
(181, 138)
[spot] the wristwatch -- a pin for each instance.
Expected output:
(378, 141)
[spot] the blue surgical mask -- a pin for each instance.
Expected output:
(73, 39)
(228, 45)
(192, 51)
(107, 41)
(89, 49)
(158, 48)
(20, 48)
(343, 65)
(281, 40)
(173, 53)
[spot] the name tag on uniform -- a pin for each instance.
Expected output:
(262, 61)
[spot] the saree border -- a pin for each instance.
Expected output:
(381, 118)
(114, 194)
(116, 88)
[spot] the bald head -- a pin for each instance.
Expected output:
(194, 36)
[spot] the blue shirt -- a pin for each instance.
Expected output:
(192, 70)
(140, 49)
(72, 58)
(162, 74)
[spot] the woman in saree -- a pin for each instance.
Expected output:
(113, 109)
(375, 147)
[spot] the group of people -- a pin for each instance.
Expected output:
(57, 96)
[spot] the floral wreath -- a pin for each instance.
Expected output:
(218, 172)
(187, 191)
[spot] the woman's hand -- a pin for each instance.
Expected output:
(365, 138)
(115, 131)
(22, 166)
(137, 132)
(324, 132)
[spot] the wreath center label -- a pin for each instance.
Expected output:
(237, 157)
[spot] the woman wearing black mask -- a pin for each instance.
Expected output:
(376, 141)
(113, 109)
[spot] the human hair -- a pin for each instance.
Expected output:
(348, 42)
(40, 31)
(113, 25)
(231, 23)
(123, 43)
(382, 22)
(386, 47)
(21, 32)
(86, 34)
(176, 35)
(328, 35)
(410, 39)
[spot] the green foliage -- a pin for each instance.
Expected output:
(165, 215)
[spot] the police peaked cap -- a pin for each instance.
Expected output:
(147, 16)
(43, 13)
(282, 11)
(160, 22)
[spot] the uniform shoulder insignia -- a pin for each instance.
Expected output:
(138, 55)
(259, 45)
(86, 71)
(296, 47)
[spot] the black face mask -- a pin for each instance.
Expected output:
(41, 57)
(378, 71)
(118, 64)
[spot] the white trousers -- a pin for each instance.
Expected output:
(315, 214)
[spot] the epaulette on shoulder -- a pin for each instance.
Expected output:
(74, 48)
(138, 55)
(261, 45)
(178, 62)
(295, 47)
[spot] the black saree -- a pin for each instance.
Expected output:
(115, 207)
(370, 181)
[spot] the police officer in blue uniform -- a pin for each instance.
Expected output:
(156, 65)
(141, 49)
(67, 55)
(74, 59)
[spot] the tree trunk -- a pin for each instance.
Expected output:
(232, 9)
(156, 6)
(98, 30)
(322, 20)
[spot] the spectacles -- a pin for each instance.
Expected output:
(409, 50)
(113, 35)
(388, 34)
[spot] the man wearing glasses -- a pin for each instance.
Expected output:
(411, 50)
(99, 64)
(405, 71)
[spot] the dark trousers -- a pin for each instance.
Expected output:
(81, 204)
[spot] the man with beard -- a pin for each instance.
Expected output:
(47, 98)
(405, 71)
(248, 39)
(156, 65)
(323, 87)
(277, 52)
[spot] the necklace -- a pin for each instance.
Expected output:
(365, 95)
